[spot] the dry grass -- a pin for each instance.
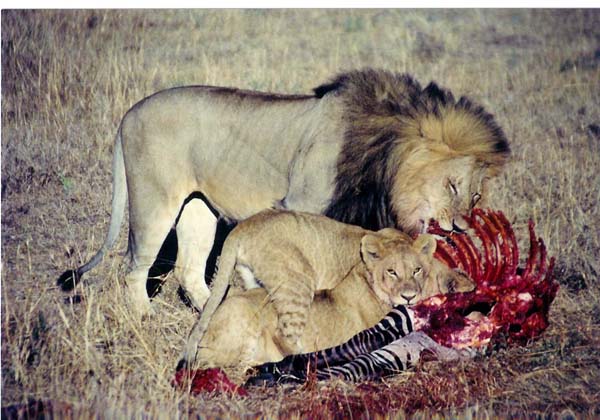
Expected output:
(68, 77)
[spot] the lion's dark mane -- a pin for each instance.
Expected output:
(376, 104)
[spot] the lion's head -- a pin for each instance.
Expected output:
(437, 186)
(411, 154)
(403, 271)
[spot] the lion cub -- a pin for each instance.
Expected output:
(295, 255)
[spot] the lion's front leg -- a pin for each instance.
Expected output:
(196, 231)
(292, 317)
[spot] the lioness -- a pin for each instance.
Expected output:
(371, 148)
(303, 282)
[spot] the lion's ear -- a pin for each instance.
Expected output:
(425, 244)
(390, 233)
(372, 249)
(462, 282)
(453, 281)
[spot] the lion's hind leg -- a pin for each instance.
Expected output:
(148, 228)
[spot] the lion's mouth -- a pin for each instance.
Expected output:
(454, 227)
(423, 227)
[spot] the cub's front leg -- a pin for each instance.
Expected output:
(292, 298)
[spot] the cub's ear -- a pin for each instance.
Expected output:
(455, 281)
(425, 244)
(371, 249)
(392, 233)
(463, 282)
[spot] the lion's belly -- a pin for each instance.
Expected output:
(244, 168)
(239, 188)
(242, 330)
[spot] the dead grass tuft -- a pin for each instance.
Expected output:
(69, 76)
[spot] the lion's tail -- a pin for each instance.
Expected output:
(69, 279)
(225, 272)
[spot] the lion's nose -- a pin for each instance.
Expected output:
(456, 228)
(408, 298)
(459, 225)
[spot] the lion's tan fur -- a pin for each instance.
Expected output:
(372, 149)
(316, 274)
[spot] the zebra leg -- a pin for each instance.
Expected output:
(393, 358)
(396, 324)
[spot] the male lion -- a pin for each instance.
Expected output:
(371, 148)
(302, 282)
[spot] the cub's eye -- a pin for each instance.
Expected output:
(452, 187)
(391, 273)
(475, 199)
(451, 285)
(417, 271)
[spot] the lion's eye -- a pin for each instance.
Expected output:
(451, 286)
(452, 187)
(417, 271)
(475, 199)
(391, 273)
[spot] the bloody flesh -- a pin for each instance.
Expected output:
(507, 299)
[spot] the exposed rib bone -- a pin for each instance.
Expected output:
(518, 300)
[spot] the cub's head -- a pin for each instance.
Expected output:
(403, 271)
